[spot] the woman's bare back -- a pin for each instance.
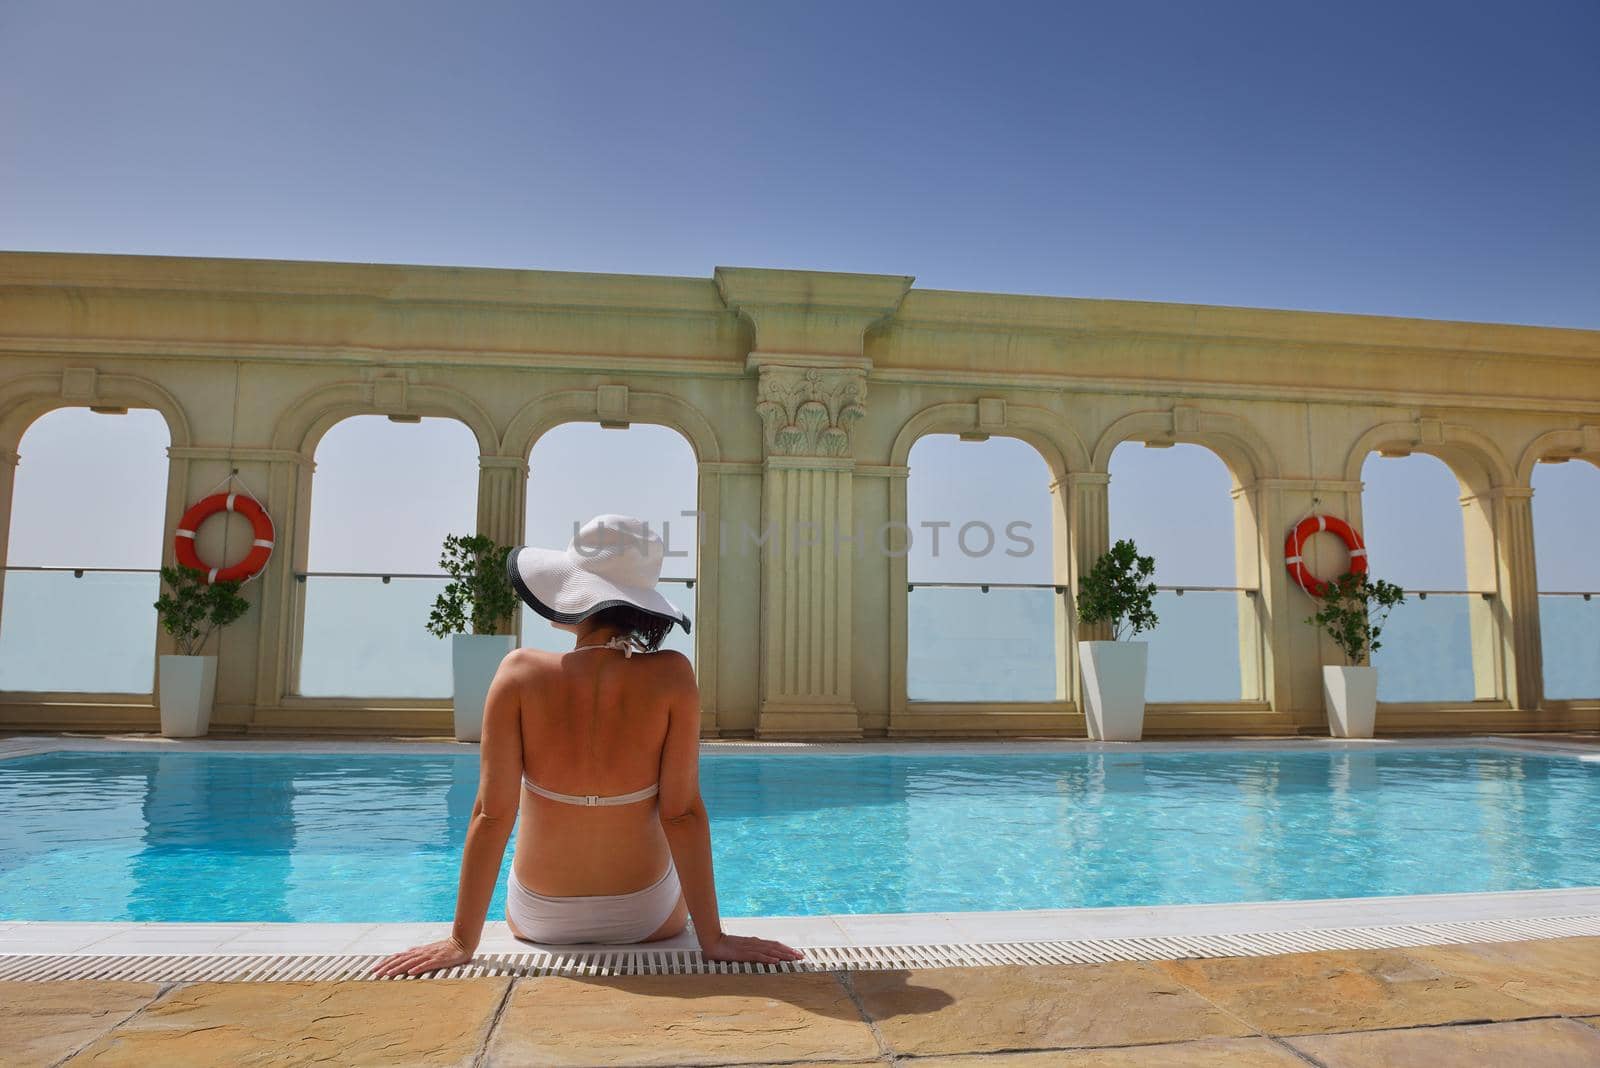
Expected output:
(594, 721)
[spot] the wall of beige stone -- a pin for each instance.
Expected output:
(802, 394)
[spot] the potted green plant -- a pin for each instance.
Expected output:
(479, 596)
(1351, 611)
(1118, 591)
(186, 681)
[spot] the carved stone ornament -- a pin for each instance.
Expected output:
(809, 411)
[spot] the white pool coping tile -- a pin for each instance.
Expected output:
(815, 932)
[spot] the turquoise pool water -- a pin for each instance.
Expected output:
(362, 838)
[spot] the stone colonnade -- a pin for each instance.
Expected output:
(802, 394)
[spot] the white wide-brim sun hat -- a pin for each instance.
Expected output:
(612, 560)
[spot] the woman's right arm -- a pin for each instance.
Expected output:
(688, 829)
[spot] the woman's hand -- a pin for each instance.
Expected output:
(431, 957)
(745, 948)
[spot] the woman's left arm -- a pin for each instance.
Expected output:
(494, 814)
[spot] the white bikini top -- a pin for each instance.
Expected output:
(593, 799)
(650, 791)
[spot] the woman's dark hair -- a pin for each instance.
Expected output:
(645, 630)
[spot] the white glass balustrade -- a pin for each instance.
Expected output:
(969, 642)
(1569, 629)
(1425, 647)
(79, 630)
(366, 636)
(1205, 647)
(997, 643)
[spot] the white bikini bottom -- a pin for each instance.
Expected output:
(610, 918)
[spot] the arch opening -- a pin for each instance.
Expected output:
(1178, 503)
(1420, 515)
(579, 470)
(384, 495)
(1566, 514)
(986, 556)
(83, 553)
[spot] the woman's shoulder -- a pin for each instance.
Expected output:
(672, 662)
(524, 662)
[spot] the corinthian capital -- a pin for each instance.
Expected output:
(808, 411)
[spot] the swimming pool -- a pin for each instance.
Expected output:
(224, 836)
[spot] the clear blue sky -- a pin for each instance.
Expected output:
(1437, 160)
(1428, 159)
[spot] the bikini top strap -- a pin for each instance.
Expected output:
(620, 643)
(593, 799)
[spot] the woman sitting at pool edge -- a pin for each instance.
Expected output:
(593, 755)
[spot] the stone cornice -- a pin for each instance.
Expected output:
(862, 296)
(237, 453)
(1301, 485)
(945, 311)
(811, 312)
(402, 283)
(757, 360)
(874, 295)
(189, 308)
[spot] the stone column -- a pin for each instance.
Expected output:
(1518, 602)
(8, 482)
(708, 591)
(502, 497)
(1292, 651)
(502, 494)
(269, 634)
(806, 593)
(1089, 513)
(1062, 571)
(283, 477)
(1255, 644)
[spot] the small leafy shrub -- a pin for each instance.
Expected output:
(1353, 610)
(478, 593)
(1119, 590)
(195, 608)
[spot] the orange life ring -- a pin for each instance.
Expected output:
(1293, 549)
(260, 551)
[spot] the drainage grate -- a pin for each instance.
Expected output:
(269, 968)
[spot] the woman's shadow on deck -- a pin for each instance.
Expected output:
(893, 992)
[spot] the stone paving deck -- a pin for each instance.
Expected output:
(1525, 1003)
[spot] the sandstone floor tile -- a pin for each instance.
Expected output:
(1210, 1053)
(680, 1019)
(40, 1023)
(1308, 993)
(1561, 976)
(977, 1010)
(438, 1022)
(1527, 1044)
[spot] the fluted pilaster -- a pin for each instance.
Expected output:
(1089, 513)
(502, 487)
(8, 481)
(1519, 595)
(806, 592)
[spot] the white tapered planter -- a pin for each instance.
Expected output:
(1113, 689)
(1350, 695)
(188, 685)
(474, 658)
